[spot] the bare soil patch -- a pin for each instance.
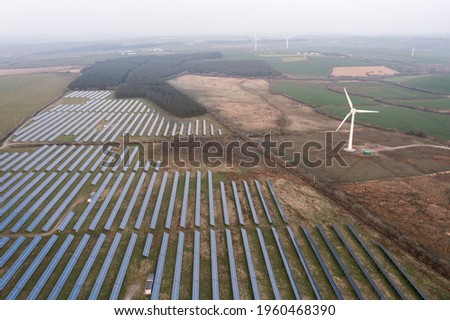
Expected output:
(58, 69)
(362, 71)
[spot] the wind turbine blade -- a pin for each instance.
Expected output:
(367, 111)
(348, 99)
(343, 121)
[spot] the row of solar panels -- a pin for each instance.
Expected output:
(84, 126)
(35, 184)
(89, 94)
(67, 268)
(108, 105)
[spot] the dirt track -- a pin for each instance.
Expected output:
(23, 71)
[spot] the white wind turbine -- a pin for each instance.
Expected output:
(255, 41)
(352, 113)
(287, 41)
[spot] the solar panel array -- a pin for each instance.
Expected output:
(214, 267)
(196, 264)
(250, 266)
(160, 267)
(178, 267)
(273, 281)
(233, 272)
(123, 268)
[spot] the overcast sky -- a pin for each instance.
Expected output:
(69, 18)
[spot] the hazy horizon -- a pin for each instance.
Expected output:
(103, 19)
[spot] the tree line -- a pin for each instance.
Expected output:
(146, 77)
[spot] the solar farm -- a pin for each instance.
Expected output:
(72, 228)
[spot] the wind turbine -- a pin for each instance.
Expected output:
(352, 113)
(413, 50)
(287, 41)
(255, 41)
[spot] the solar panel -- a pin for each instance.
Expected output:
(141, 133)
(196, 127)
(14, 188)
(359, 264)
(70, 158)
(189, 129)
(204, 127)
(14, 161)
(4, 178)
(286, 264)
(43, 280)
(232, 263)
(19, 207)
(94, 200)
(123, 268)
(106, 202)
(3, 241)
(211, 198)
(214, 267)
(148, 245)
(11, 250)
(379, 266)
(66, 221)
(96, 179)
(158, 130)
(49, 158)
(184, 206)
(237, 203)
(18, 263)
(162, 189)
(38, 203)
(399, 268)
(17, 197)
(196, 265)
(10, 181)
(90, 159)
(198, 202)
(132, 203)
(250, 203)
(64, 205)
(172, 200)
(322, 264)
(80, 158)
(100, 159)
(226, 216)
(340, 263)
(68, 268)
(105, 267)
(160, 267)
(119, 201)
(144, 205)
(174, 129)
(31, 269)
(178, 267)
(52, 203)
(150, 131)
(273, 281)
(60, 158)
(250, 266)
(277, 202)
(263, 201)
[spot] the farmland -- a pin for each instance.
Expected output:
(22, 95)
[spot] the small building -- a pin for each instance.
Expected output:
(149, 284)
(89, 199)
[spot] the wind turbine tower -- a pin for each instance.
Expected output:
(255, 42)
(413, 50)
(352, 113)
(287, 42)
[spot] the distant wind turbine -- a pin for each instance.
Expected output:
(287, 41)
(413, 50)
(352, 113)
(255, 42)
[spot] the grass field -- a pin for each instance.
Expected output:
(383, 91)
(434, 83)
(437, 104)
(314, 94)
(21, 95)
(432, 124)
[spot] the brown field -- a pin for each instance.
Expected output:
(250, 107)
(362, 71)
(58, 69)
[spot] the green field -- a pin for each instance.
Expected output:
(403, 119)
(434, 83)
(21, 95)
(313, 67)
(383, 90)
(314, 94)
(436, 104)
